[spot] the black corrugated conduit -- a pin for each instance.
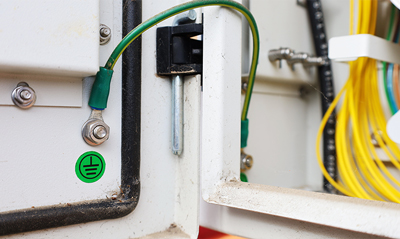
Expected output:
(314, 9)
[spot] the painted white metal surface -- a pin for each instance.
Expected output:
(282, 117)
(40, 145)
(169, 195)
(50, 44)
(282, 24)
(257, 225)
(349, 48)
(283, 123)
(220, 157)
(168, 205)
(47, 88)
(50, 37)
(221, 98)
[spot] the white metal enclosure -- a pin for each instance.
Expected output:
(40, 146)
(283, 127)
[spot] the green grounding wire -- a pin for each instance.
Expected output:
(384, 64)
(99, 95)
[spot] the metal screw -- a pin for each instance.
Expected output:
(26, 95)
(105, 34)
(23, 96)
(244, 87)
(246, 161)
(100, 132)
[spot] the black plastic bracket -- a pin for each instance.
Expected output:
(177, 52)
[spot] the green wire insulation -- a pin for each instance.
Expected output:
(243, 177)
(384, 64)
(101, 87)
(131, 36)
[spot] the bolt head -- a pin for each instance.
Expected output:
(100, 132)
(246, 162)
(95, 132)
(114, 196)
(25, 95)
(244, 86)
(105, 32)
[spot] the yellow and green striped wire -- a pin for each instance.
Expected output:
(131, 36)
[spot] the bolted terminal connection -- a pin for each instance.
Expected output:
(23, 96)
(105, 34)
(95, 131)
(100, 132)
(246, 161)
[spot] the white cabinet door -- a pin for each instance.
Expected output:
(144, 189)
(261, 210)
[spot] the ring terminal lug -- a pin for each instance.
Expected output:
(95, 131)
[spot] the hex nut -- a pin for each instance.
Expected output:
(246, 162)
(105, 34)
(88, 131)
(23, 96)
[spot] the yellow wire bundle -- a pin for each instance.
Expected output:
(362, 174)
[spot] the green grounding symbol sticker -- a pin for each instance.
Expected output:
(90, 167)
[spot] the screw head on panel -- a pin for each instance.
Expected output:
(105, 34)
(95, 132)
(100, 132)
(246, 162)
(23, 96)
